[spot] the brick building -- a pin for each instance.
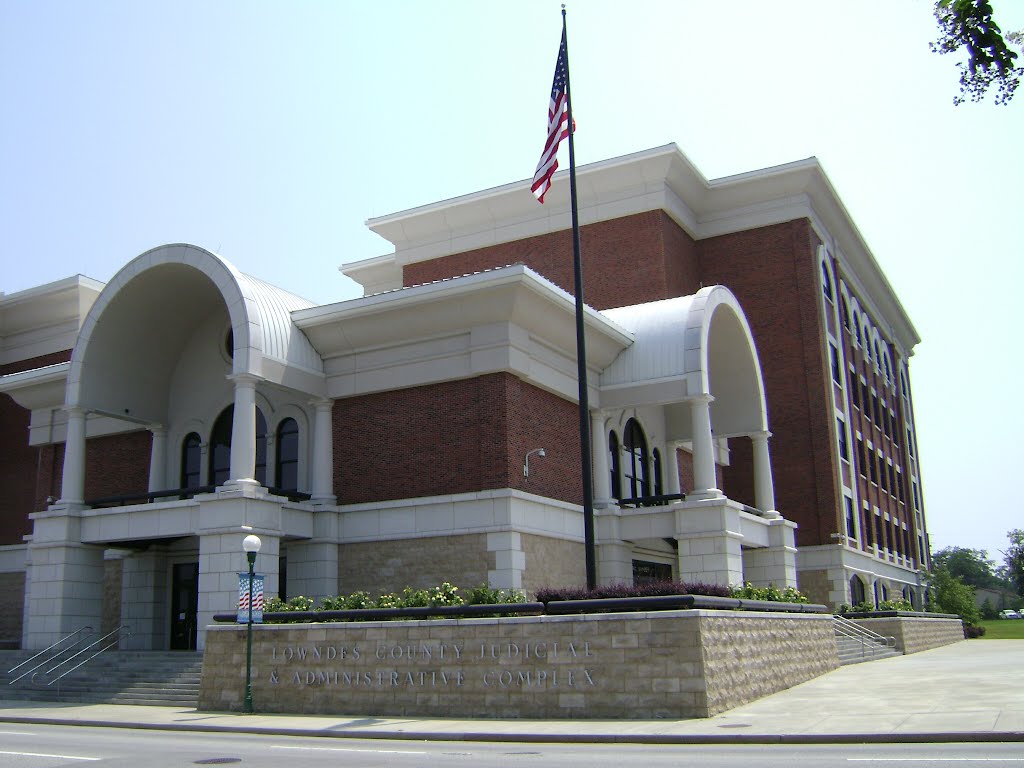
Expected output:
(428, 431)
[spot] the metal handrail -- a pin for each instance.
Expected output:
(116, 634)
(866, 638)
(86, 630)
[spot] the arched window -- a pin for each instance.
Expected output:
(844, 309)
(286, 471)
(613, 449)
(191, 461)
(656, 460)
(220, 447)
(635, 447)
(856, 590)
(826, 281)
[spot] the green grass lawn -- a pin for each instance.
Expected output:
(1003, 629)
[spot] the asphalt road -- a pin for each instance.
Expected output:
(65, 746)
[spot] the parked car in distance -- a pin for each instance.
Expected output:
(1008, 614)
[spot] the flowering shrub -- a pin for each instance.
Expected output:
(652, 589)
(771, 593)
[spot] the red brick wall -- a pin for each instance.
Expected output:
(455, 437)
(630, 260)
(774, 274)
(19, 463)
(117, 465)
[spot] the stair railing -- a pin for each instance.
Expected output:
(110, 640)
(868, 640)
(54, 650)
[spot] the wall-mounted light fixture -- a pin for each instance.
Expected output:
(526, 463)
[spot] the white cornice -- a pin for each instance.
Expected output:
(659, 178)
(38, 388)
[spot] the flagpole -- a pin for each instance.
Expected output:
(581, 347)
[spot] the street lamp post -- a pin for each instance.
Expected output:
(251, 544)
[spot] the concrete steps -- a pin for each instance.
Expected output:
(853, 651)
(155, 678)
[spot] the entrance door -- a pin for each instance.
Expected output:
(184, 606)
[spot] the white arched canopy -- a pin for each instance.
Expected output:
(689, 347)
(134, 333)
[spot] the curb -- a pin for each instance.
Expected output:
(547, 738)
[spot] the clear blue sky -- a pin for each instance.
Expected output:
(270, 131)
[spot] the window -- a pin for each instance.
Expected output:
(899, 485)
(910, 443)
(837, 373)
(635, 448)
(881, 471)
(856, 590)
(220, 447)
(647, 572)
(892, 480)
(191, 461)
(863, 457)
(826, 282)
(854, 389)
(873, 468)
(877, 410)
(865, 398)
(286, 457)
(613, 450)
(658, 487)
(844, 310)
(856, 326)
(851, 529)
(844, 451)
(917, 498)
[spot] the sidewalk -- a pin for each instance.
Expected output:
(970, 691)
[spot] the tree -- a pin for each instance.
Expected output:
(1014, 559)
(971, 566)
(950, 595)
(969, 24)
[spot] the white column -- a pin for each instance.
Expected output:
(599, 456)
(672, 483)
(72, 487)
(703, 449)
(243, 431)
(323, 453)
(158, 458)
(764, 490)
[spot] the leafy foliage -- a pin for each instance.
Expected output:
(652, 589)
(772, 593)
(971, 566)
(1014, 559)
(968, 24)
(948, 594)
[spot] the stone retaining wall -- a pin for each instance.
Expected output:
(914, 634)
(666, 664)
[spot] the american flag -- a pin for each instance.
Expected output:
(243, 592)
(558, 125)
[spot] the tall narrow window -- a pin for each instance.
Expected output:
(656, 460)
(286, 471)
(220, 447)
(844, 450)
(635, 447)
(856, 590)
(837, 372)
(851, 529)
(261, 448)
(826, 281)
(191, 461)
(614, 465)
(844, 309)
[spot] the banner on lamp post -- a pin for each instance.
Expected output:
(257, 598)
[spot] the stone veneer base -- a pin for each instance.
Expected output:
(914, 634)
(665, 664)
